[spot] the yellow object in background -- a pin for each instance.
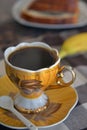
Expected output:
(74, 45)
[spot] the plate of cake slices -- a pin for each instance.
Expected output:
(50, 14)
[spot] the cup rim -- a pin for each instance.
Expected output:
(11, 49)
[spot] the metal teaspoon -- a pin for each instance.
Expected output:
(6, 102)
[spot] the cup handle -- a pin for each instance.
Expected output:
(60, 75)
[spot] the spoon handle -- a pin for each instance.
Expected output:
(29, 124)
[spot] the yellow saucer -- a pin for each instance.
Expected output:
(62, 101)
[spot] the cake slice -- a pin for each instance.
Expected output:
(51, 12)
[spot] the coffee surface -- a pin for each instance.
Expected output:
(32, 58)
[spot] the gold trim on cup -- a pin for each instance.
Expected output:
(39, 109)
(60, 76)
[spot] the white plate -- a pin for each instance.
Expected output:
(16, 10)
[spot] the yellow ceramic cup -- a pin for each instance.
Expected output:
(31, 83)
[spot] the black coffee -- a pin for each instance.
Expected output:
(32, 58)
